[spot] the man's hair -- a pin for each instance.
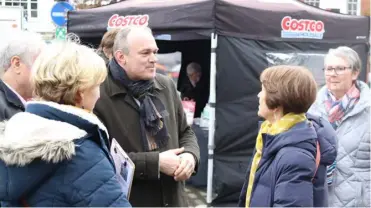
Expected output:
(25, 45)
(195, 67)
(121, 40)
(291, 87)
(64, 68)
(109, 39)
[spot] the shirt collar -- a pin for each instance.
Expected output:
(16, 93)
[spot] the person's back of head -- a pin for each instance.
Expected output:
(18, 52)
(58, 136)
(293, 88)
(106, 45)
(68, 73)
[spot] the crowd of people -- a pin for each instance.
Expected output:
(62, 104)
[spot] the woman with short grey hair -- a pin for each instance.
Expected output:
(345, 102)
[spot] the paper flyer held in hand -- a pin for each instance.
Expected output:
(124, 167)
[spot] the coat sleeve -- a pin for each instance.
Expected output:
(108, 194)
(363, 163)
(294, 187)
(94, 182)
(242, 198)
(187, 137)
(147, 166)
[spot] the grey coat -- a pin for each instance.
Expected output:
(351, 185)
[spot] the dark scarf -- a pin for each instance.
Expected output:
(154, 132)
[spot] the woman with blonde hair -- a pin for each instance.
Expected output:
(56, 153)
(288, 147)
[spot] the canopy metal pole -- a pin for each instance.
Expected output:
(212, 99)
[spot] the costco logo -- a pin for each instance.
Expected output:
(302, 28)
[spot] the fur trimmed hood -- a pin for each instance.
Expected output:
(36, 142)
(26, 136)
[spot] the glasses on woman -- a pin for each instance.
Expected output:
(338, 70)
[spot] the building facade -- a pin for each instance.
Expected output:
(36, 15)
(352, 7)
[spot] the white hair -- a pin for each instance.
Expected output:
(25, 45)
(348, 54)
(121, 39)
(194, 67)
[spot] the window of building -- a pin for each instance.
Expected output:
(34, 11)
(29, 7)
(352, 7)
(312, 2)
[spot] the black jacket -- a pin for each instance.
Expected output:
(199, 93)
(10, 104)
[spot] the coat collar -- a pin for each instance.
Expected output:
(10, 96)
(300, 132)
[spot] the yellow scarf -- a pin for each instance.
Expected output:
(282, 125)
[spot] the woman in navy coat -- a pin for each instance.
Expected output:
(284, 167)
(56, 153)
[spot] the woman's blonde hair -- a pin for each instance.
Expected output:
(63, 69)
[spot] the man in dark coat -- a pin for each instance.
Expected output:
(196, 89)
(143, 112)
(16, 59)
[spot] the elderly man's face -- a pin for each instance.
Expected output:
(22, 69)
(193, 76)
(140, 62)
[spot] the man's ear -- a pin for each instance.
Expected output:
(120, 57)
(15, 63)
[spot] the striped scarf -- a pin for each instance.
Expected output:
(336, 110)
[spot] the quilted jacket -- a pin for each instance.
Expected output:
(351, 185)
(57, 156)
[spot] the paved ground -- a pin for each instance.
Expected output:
(196, 196)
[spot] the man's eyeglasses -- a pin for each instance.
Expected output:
(338, 70)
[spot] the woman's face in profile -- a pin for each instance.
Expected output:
(90, 97)
(264, 111)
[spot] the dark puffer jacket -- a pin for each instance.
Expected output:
(285, 172)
